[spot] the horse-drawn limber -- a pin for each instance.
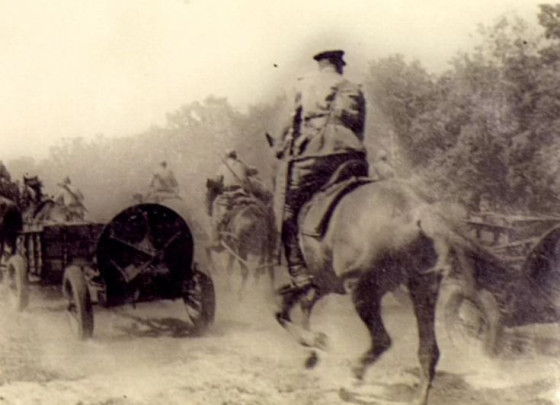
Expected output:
(145, 253)
(520, 286)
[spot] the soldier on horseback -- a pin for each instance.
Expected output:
(232, 185)
(31, 196)
(321, 143)
(163, 185)
(72, 200)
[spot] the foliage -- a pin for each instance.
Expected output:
(109, 171)
(485, 129)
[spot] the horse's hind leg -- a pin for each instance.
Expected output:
(367, 301)
(424, 293)
(244, 274)
(229, 270)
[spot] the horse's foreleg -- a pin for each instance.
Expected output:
(229, 270)
(307, 302)
(367, 301)
(302, 333)
(244, 275)
(260, 269)
(271, 275)
(424, 293)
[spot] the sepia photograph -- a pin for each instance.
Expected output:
(313, 202)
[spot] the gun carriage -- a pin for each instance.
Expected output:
(520, 287)
(145, 253)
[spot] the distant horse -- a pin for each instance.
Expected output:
(37, 207)
(249, 232)
(381, 235)
(11, 223)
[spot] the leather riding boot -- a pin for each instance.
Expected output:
(301, 279)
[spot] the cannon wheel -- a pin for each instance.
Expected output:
(473, 320)
(200, 301)
(145, 253)
(16, 282)
(79, 309)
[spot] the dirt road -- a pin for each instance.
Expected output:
(141, 356)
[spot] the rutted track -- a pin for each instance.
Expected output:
(141, 356)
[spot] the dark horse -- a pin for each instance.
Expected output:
(381, 235)
(11, 223)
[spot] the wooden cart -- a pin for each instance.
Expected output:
(519, 288)
(145, 253)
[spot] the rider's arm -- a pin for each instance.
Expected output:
(288, 112)
(350, 107)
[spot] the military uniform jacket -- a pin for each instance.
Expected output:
(70, 196)
(234, 172)
(329, 111)
(164, 180)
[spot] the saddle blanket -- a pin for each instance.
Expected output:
(316, 214)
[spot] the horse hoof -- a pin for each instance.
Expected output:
(321, 341)
(312, 360)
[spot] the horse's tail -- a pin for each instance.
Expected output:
(454, 247)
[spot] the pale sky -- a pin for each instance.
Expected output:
(115, 67)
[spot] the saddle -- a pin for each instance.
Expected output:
(315, 215)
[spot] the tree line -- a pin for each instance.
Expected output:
(483, 133)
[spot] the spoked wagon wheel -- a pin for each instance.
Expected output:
(16, 282)
(80, 310)
(474, 321)
(200, 301)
